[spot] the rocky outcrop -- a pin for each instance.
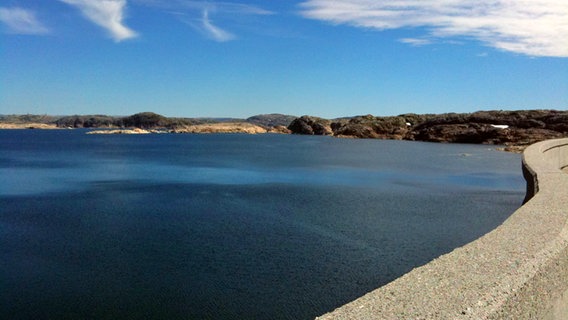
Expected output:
(514, 129)
(511, 128)
(279, 129)
(229, 127)
(121, 131)
(311, 126)
(31, 125)
(372, 127)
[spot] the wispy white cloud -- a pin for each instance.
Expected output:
(213, 31)
(200, 14)
(21, 21)
(417, 42)
(232, 8)
(218, 6)
(530, 27)
(108, 14)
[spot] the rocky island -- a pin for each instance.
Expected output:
(512, 129)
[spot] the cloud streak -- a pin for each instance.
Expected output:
(199, 14)
(21, 21)
(529, 27)
(108, 14)
(213, 31)
(218, 6)
(204, 25)
(416, 42)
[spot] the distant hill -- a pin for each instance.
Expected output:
(145, 120)
(515, 129)
(271, 120)
(27, 118)
(86, 121)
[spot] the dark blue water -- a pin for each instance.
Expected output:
(230, 226)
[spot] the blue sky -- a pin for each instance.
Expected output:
(240, 58)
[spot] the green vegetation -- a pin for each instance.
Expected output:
(271, 120)
(87, 121)
(145, 120)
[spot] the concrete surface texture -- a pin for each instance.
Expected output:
(517, 271)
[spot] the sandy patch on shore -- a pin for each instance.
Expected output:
(230, 127)
(27, 126)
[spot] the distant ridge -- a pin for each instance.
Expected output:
(271, 120)
(513, 129)
(143, 120)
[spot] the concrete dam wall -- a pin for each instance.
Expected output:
(517, 271)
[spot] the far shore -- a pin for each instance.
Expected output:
(507, 130)
(28, 126)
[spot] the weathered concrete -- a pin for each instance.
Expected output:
(517, 271)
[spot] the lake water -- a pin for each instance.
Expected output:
(230, 226)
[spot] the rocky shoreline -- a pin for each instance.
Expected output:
(229, 127)
(514, 130)
(30, 125)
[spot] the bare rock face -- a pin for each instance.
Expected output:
(311, 126)
(461, 133)
(279, 129)
(31, 125)
(226, 127)
(120, 131)
(510, 128)
(514, 129)
(525, 137)
(372, 127)
(354, 130)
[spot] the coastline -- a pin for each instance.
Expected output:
(510, 131)
(31, 125)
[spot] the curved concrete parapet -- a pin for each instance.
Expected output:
(517, 271)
